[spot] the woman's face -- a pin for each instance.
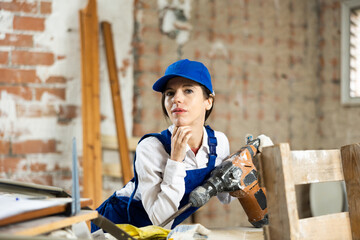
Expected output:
(185, 103)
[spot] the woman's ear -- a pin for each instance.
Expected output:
(208, 103)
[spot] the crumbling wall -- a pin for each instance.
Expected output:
(275, 67)
(40, 85)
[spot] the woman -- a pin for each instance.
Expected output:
(168, 166)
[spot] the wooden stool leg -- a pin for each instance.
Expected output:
(280, 189)
(350, 156)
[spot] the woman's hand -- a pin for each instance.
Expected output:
(265, 141)
(179, 140)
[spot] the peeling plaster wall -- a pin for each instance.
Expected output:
(40, 84)
(120, 15)
(275, 67)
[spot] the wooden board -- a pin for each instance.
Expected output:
(233, 233)
(332, 226)
(111, 142)
(92, 163)
(44, 212)
(47, 224)
(314, 166)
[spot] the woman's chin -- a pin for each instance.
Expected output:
(180, 124)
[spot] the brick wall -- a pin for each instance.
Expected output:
(33, 105)
(336, 125)
(40, 85)
(275, 68)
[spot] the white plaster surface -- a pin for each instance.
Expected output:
(62, 38)
(120, 15)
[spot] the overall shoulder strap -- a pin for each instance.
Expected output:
(165, 138)
(212, 142)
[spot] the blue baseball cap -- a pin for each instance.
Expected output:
(192, 70)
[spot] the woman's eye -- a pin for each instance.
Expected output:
(188, 91)
(169, 93)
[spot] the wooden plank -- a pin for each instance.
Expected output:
(47, 224)
(111, 142)
(313, 166)
(333, 226)
(230, 233)
(44, 212)
(92, 163)
(31, 189)
(117, 105)
(280, 190)
(112, 170)
(351, 163)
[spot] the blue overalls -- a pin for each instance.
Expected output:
(122, 209)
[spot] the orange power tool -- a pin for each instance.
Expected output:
(251, 196)
(236, 175)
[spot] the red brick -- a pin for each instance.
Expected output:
(61, 57)
(43, 179)
(4, 147)
(56, 79)
(4, 57)
(138, 130)
(28, 23)
(19, 6)
(36, 111)
(62, 169)
(260, 114)
(45, 8)
(32, 58)
(9, 75)
(23, 92)
(125, 65)
(17, 40)
(10, 164)
(59, 92)
(34, 146)
(38, 167)
(149, 64)
(68, 112)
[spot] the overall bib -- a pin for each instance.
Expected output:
(122, 209)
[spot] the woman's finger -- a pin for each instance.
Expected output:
(185, 135)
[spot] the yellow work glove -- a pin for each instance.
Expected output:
(150, 232)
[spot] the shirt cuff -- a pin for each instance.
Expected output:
(174, 171)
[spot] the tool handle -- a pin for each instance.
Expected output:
(254, 205)
(175, 215)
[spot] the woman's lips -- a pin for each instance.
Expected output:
(178, 110)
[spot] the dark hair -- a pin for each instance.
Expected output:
(207, 94)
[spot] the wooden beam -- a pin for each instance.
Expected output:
(117, 105)
(92, 163)
(46, 224)
(284, 220)
(350, 156)
(60, 208)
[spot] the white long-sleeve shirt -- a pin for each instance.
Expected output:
(161, 180)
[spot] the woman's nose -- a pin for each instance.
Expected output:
(178, 96)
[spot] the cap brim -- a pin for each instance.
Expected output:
(160, 84)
